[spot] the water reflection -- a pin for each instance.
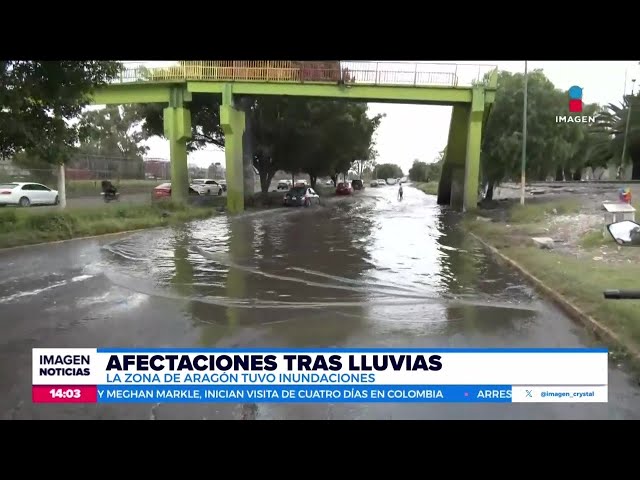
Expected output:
(467, 272)
(361, 271)
(240, 253)
(182, 279)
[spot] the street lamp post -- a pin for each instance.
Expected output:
(524, 138)
(626, 129)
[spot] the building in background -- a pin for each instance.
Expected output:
(157, 169)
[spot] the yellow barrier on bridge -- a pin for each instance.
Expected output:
(362, 73)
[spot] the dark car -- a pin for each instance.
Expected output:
(301, 196)
(357, 184)
(344, 188)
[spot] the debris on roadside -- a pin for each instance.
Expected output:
(543, 242)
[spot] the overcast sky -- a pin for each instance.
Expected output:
(417, 131)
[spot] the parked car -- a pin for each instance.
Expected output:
(301, 197)
(329, 182)
(344, 188)
(284, 185)
(26, 194)
(381, 182)
(223, 184)
(205, 186)
(357, 184)
(164, 191)
(374, 183)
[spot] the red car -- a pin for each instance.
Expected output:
(344, 188)
(164, 191)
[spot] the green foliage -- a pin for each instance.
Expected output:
(294, 134)
(110, 132)
(205, 120)
(536, 212)
(426, 172)
(388, 170)
(551, 146)
(560, 150)
(38, 100)
(608, 134)
(29, 226)
(430, 188)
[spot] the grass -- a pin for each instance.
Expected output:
(583, 281)
(87, 188)
(27, 226)
(536, 212)
(595, 238)
(579, 280)
(430, 188)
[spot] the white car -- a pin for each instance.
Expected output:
(205, 186)
(284, 185)
(26, 194)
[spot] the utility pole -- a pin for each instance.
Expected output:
(626, 130)
(524, 138)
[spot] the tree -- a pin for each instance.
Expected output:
(389, 170)
(434, 170)
(551, 147)
(279, 126)
(111, 132)
(39, 100)
(338, 134)
(205, 121)
(418, 171)
(293, 134)
(608, 134)
(426, 172)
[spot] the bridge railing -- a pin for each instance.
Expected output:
(359, 73)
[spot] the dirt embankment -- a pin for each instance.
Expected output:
(571, 214)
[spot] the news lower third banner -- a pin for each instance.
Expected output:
(367, 375)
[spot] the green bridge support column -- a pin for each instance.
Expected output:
(451, 186)
(232, 122)
(474, 142)
(247, 149)
(177, 128)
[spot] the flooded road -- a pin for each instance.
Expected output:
(368, 271)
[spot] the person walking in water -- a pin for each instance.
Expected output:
(400, 192)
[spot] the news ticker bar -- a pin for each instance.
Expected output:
(319, 394)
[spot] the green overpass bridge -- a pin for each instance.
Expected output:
(469, 89)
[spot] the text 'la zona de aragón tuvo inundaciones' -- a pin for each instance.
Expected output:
(251, 362)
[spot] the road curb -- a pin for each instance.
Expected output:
(55, 242)
(600, 331)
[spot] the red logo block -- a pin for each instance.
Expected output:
(575, 106)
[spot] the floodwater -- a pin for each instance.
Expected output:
(368, 271)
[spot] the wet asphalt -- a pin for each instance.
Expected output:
(368, 271)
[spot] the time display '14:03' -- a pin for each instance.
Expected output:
(64, 393)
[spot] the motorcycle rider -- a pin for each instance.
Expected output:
(109, 189)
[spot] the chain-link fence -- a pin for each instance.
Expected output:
(84, 174)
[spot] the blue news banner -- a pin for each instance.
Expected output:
(363, 375)
(305, 393)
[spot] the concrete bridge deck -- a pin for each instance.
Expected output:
(469, 89)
